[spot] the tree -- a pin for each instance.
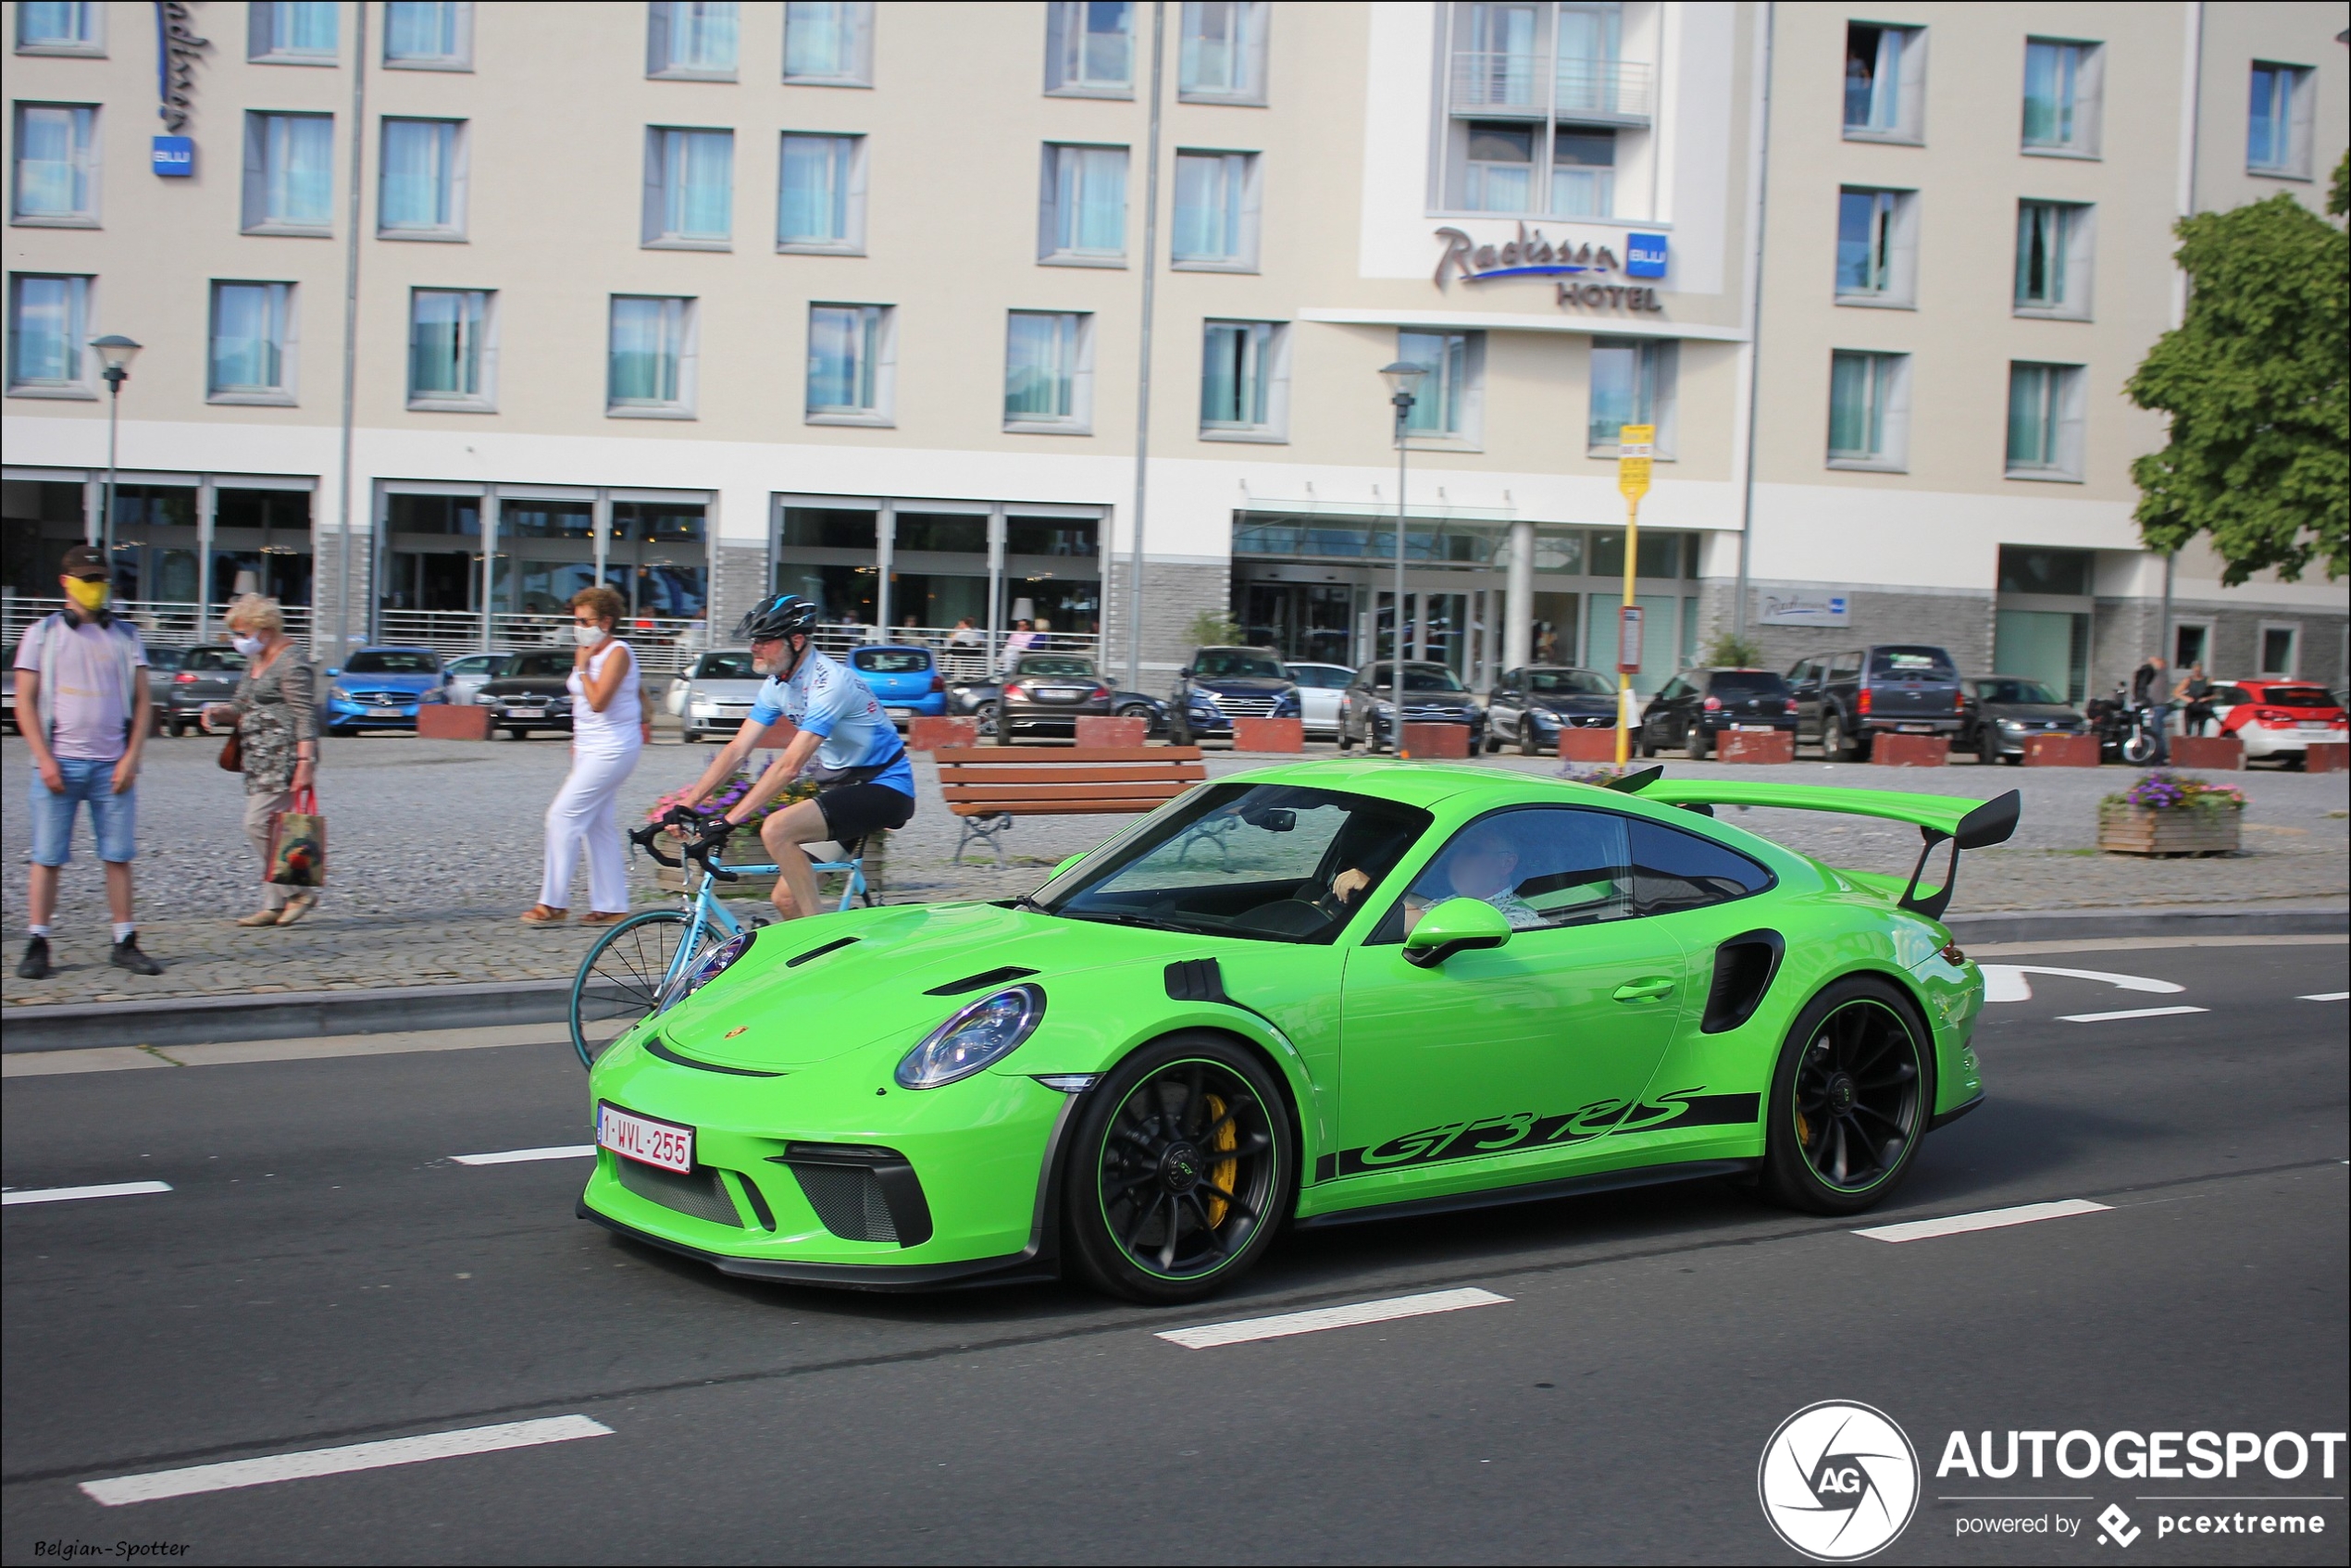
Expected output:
(1212, 628)
(2258, 382)
(1735, 651)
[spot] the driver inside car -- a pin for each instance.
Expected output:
(1481, 864)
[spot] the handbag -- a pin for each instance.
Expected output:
(298, 843)
(232, 752)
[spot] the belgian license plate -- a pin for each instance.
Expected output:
(2313, 724)
(526, 713)
(647, 1141)
(901, 712)
(1060, 693)
(1918, 729)
(383, 712)
(1752, 728)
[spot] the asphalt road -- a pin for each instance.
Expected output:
(322, 1273)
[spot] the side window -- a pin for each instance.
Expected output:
(1541, 865)
(1673, 871)
(1845, 666)
(1805, 673)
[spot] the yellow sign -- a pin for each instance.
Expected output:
(1632, 444)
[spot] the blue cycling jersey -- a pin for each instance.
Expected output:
(824, 698)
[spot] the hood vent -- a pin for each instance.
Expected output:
(657, 1046)
(985, 977)
(817, 953)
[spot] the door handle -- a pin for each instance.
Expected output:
(1647, 990)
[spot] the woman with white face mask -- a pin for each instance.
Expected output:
(275, 715)
(609, 728)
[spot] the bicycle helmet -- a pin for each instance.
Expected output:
(785, 615)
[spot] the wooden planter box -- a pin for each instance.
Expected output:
(1588, 745)
(1264, 735)
(1095, 731)
(1909, 751)
(1434, 742)
(449, 721)
(2129, 829)
(1734, 745)
(2062, 751)
(926, 733)
(2219, 753)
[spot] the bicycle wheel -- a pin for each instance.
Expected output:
(620, 980)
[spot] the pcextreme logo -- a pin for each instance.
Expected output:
(1838, 1481)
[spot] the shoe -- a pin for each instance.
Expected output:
(599, 917)
(258, 917)
(127, 956)
(297, 907)
(34, 965)
(539, 914)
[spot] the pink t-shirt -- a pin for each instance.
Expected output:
(84, 690)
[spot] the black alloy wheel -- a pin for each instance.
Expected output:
(1851, 1100)
(1182, 1170)
(1696, 744)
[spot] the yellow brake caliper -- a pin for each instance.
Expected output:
(1222, 1172)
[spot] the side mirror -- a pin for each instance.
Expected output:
(1455, 925)
(1184, 674)
(333, 670)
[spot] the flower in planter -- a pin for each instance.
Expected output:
(2163, 790)
(726, 795)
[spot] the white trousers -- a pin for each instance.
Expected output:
(585, 811)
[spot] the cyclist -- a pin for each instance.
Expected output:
(846, 745)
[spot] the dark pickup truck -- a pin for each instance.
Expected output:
(1845, 700)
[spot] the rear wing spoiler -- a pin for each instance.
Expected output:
(1940, 819)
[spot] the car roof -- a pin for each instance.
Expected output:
(397, 648)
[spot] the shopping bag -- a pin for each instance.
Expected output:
(298, 843)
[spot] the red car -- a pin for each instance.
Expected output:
(2278, 718)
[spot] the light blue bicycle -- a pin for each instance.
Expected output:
(651, 961)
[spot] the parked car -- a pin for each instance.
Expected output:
(716, 693)
(1219, 685)
(1530, 707)
(162, 664)
(1433, 694)
(207, 673)
(528, 693)
(2003, 712)
(1320, 689)
(1694, 708)
(2278, 718)
(1845, 700)
(983, 699)
(8, 700)
(904, 678)
(467, 676)
(377, 689)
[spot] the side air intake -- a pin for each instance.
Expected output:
(1743, 970)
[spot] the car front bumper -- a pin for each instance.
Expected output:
(345, 715)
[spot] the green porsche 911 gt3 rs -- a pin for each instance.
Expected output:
(1313, 993)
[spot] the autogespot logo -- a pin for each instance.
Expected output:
(1839, 1481)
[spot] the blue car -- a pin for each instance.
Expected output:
(906, 679)
(381, 688)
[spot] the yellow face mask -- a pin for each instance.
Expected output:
(89, 593)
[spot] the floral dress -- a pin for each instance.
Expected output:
(277, 710)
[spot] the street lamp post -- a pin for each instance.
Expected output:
(1403, 379)
(118, 352)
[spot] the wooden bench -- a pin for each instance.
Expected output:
(988, 786)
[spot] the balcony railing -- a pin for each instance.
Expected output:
(1532, 86)
(162, 623)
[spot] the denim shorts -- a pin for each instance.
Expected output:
(114, 819)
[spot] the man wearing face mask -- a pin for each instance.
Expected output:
(82, 675)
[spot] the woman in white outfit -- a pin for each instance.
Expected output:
(608, 730)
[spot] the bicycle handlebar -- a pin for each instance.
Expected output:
(648, 837)
(700, 850)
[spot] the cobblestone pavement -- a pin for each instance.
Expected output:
(434, 848)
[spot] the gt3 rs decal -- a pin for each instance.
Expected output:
(1519, 1131)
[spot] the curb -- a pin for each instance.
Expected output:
(302, 1014)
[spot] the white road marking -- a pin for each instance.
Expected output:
(1247, 1328)
(237, 1472)
(1989, 1219)
(2126, 1013)
(2006, 982)
(517, 1156)
(68, 1194)
(2327, 996)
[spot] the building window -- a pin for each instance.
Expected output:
(1884, 83)
(1876, 247)
(428, 34)
(820, 201)
(1222, 57)
(298, 32)
(828, 43)
(252, 357)
(2280, 650)
(1632, 384)
(1049, 372)
(850, 361)
(690, 188)
(424, 179)
(290, 176)
(651, 364)
(48, 324)
(2277, 135)
(1090, 48)
(1868, 410)
(1244, 380)
(2045, 421)
(56, 173)
(1538, 102)
(452, 361)
(2061, 89)
(693, 39)
(1083, 215)
(1215, 212)
(1447, 403)
(49, 27)
(2053, 249)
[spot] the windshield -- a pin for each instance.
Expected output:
(1078, 669)
(536, 666)
(1417, 678)
(891, 661)
(1912, 664)
(165, 658)
(1238, 664)
(2015, 691)
(725, 666)
(1242, 859)
(380, 662)
(1569, 683)
(1747, 683)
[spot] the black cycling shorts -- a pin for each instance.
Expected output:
(855, 811)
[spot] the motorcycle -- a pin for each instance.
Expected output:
(2125, 729)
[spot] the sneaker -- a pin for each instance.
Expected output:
(34, 965)
(127, 956)
(539, 914)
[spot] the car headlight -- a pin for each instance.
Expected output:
(714, 963)
(976, 1038)
(339, 694)
(2012, 725)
